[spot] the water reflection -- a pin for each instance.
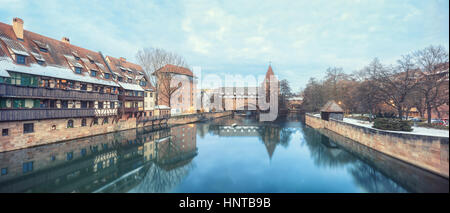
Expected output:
(167, 160)
(116, 162)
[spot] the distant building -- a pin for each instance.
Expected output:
(247, 98)
(180, 80)
(294, 103)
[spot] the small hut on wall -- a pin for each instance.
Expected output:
(332, 110)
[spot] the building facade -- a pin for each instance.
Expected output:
(176, 87)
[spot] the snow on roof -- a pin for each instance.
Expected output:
(128, 86)
(15, 46)
(73, 61)
(37, 56)
(51, 71)
(3, 72)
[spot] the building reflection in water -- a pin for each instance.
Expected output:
(115, 162)
(372, 171)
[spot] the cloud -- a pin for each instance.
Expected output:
(300, 38)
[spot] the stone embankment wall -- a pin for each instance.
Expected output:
(51, 131)
(427, 152)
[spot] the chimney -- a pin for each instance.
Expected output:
(65, 40)
(123, 59)
(18, 27)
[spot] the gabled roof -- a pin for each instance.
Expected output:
(331, 106)
(176, 70)
(117, 65)
(58, 58)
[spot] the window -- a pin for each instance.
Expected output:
(84, 104)
(145, 94)
(69, 156)
(151, 95)
(40, 62)
(83, 87)
(70, 124)
(83, 122)
(95, 121)
(120, 79)
(71, 84)
(100, 105)
(93, 73)
(107, 76)
(5, 132)
(111, 105)
(143, 83)
(28, 128)
(53, 158)
(27, 167)
(78, 70)
(64, 104)
(77, 58)
(105, 121)
(4, 171)
(45, 50)
(20, 59)
(129, 80)
(83, 152)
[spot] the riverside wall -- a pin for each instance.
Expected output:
(56, 130)
(427, 152)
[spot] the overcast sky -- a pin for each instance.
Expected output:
(300, 38)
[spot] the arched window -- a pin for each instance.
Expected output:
(70, 124)
(83, 122)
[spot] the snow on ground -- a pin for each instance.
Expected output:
(416, 130)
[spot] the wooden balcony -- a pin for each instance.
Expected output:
(130, 98)
(40, 114)
(9, 90)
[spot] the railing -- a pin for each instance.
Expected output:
(42, 92)
(130, 98)
(153, 118)
(39, 114)
(105, 112)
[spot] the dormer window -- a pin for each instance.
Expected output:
(43, 49)
(120, 79)
(107, 76)
(77, 58)
(143, 83)
(129, 72)
(93, 73)
(78, 70)
(40, 62)
(20, 59)
(129, 80)
(123, 70)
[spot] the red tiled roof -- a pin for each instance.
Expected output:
(116, 64)
(175, 69)
(56, 49)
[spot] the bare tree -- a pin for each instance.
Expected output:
(152, 60)
(433, 63)
(395, 83)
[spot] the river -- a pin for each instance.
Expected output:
(230, 154)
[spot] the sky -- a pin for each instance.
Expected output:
(300, 39)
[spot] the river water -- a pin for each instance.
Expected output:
(231, 154)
